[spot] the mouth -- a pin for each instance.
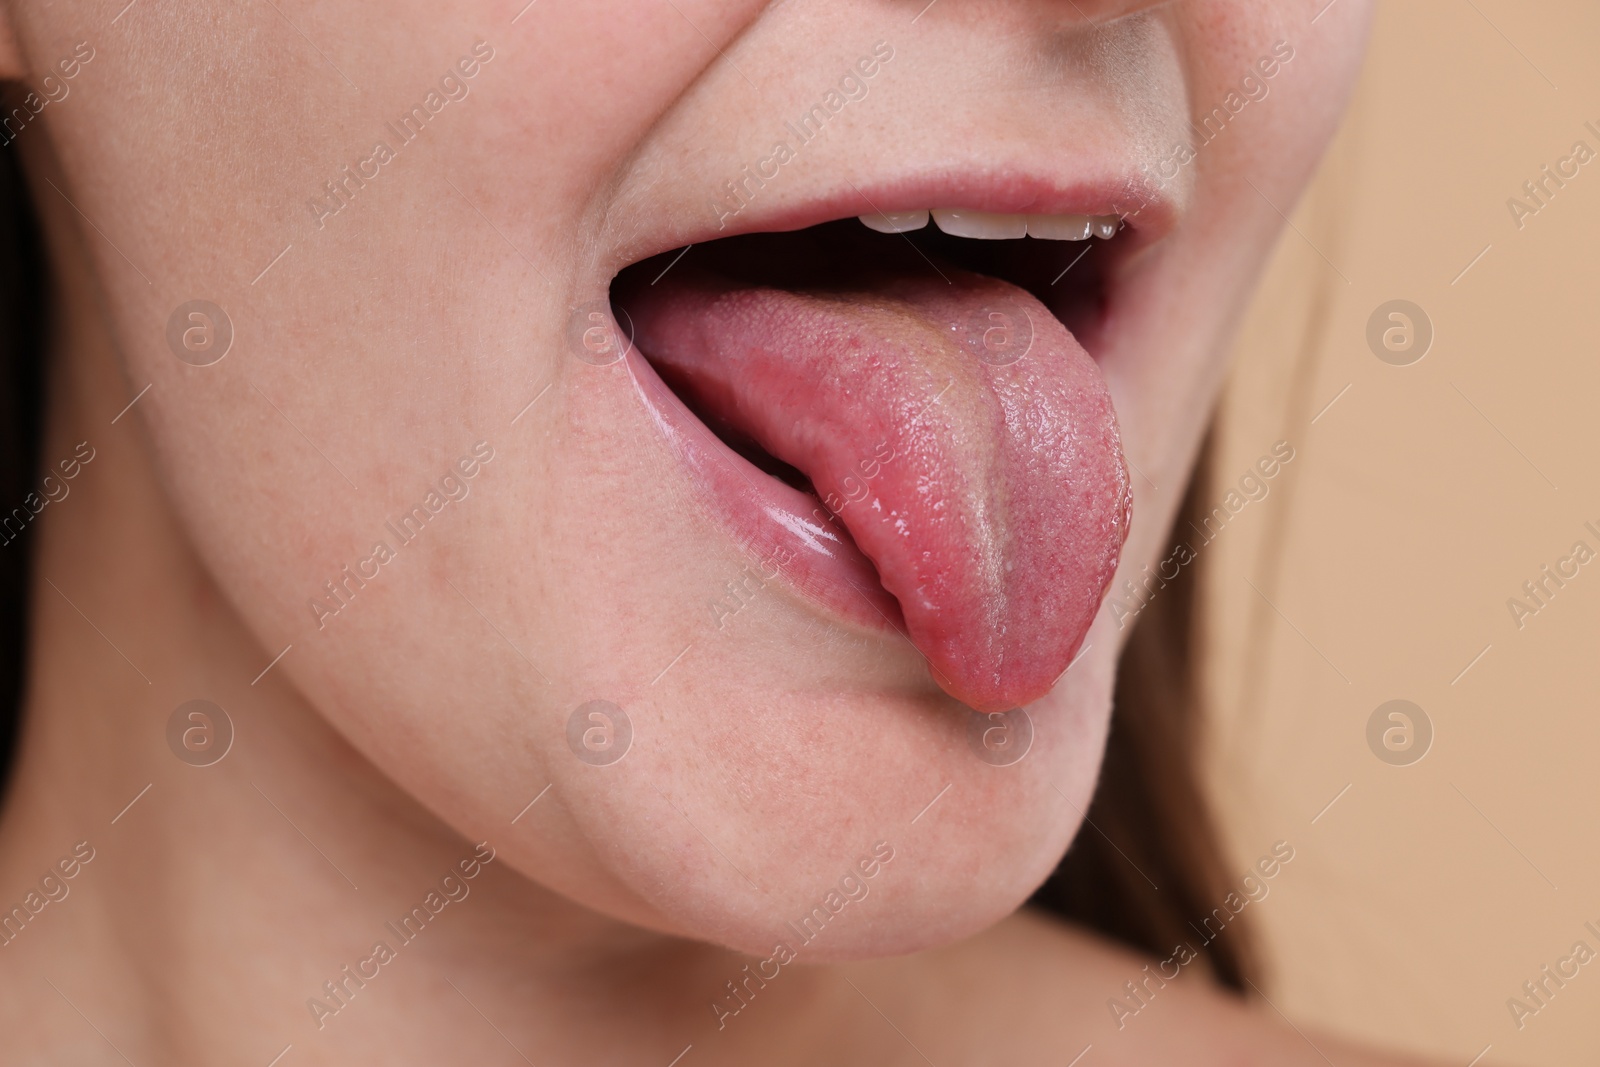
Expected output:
(899, 416)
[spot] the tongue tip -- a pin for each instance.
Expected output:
(988, 699)
(1001, 691)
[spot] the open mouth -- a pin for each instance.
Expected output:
(900, 416)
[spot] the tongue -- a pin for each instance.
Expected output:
(981, 472)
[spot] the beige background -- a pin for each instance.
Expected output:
(1418, 503)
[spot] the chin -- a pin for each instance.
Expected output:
(749, 802)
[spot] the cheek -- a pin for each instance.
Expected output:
(1280, 141)
(1165, 380)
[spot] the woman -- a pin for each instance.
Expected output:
(573, 532)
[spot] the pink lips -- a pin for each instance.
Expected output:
(976, 504)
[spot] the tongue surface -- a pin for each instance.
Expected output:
(955, 428)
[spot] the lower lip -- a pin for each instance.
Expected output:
(785, 530)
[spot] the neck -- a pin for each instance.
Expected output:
(286, 894)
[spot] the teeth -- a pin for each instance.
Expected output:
(1060, 227)
(895, 221)
(985, 226)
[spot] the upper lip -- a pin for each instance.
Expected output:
(1149, 208)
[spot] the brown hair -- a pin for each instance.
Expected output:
(22, 321)
(1147, 863)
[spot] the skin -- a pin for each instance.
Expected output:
(424, 717)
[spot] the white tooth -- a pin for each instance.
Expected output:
(895, 221)
(1059, 227)
(1106, 226)
(959, 222)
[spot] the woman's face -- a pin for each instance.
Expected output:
(431, 467)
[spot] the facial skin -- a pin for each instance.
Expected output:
(374, 346)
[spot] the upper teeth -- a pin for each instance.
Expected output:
(960, 222)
